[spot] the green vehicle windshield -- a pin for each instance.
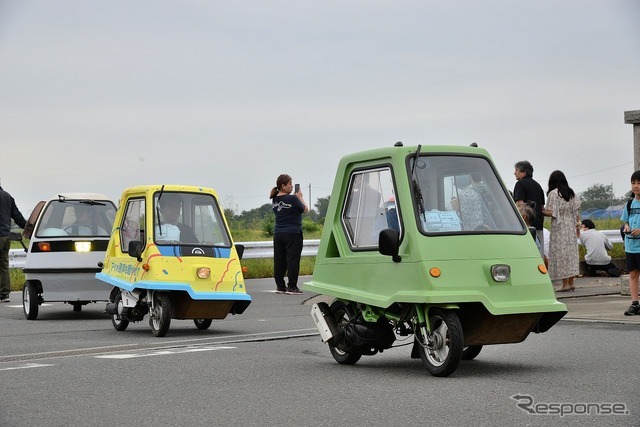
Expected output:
(461, 194)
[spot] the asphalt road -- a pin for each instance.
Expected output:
(269, 367)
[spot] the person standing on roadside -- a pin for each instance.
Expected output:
(631, 229)
(528, 190)
(564, 209)
(287, 234)
(8, 211)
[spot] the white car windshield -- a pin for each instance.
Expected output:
(77, 218)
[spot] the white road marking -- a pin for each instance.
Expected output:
(162, 352)
(27, 366)
(20, 306)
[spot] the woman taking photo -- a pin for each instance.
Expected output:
(564, 209)
(287, 234)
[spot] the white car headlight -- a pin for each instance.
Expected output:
(500, 272)
(82, 246)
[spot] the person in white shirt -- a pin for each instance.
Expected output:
(597, 245)
(546, 239)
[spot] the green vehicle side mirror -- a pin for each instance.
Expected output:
(389, 244)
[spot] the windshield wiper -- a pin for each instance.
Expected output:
(63, 199)
(91, 202)
(416, 187)
(158, 210)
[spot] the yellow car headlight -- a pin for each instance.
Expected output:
(203, 272)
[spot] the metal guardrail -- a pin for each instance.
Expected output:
(613, 235)
(264, 249)
(17, 257)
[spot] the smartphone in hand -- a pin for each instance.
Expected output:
(296, 189)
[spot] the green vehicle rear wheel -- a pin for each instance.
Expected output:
(470, 352)
(341, 352)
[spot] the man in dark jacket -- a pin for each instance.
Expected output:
(528, 190)
(8, 211)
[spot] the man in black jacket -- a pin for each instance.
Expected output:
(8, 211)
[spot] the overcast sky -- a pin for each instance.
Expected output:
(101, 95)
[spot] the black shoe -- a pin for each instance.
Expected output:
(633, 310)
(4, 298)
(294, 291)
(281, 291)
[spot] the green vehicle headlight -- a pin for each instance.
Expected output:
(500, 272)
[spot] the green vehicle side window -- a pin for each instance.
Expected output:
(370, 207)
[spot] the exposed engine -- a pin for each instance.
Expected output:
(366, 337)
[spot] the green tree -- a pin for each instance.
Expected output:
(268, 225)
(308, 226)
(598, 196)
(254, 217)
(322, 204)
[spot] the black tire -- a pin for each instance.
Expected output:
(30, 301)
(202, 323)
(343, 314)
(470, 352)
(443, 356)
(117, 320)
(160, 314)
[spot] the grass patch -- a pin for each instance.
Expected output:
(259, 268)
(17, 279)
(15, 274)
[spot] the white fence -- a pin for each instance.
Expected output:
(263, 249)
(17, 257)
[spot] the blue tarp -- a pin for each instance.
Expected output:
(614, 212)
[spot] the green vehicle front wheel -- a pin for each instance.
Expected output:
(442, 351)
